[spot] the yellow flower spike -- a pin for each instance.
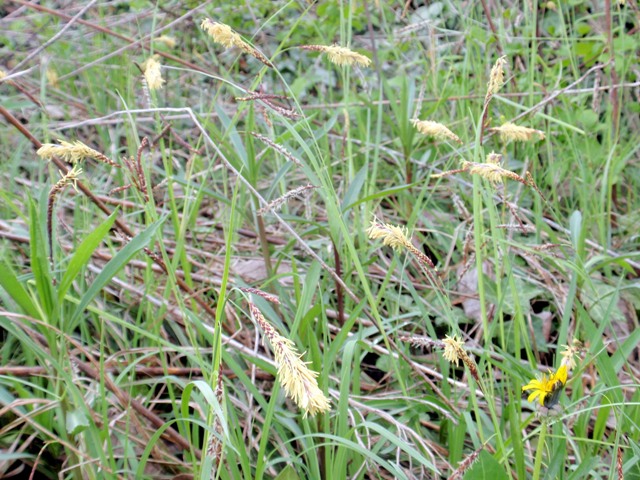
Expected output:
(492, 170)
(340, 55)
(167, 40)
(547, 390)
(224, 35)
(511, 132)
(496, 77)
(453, 351)
(152, 73)
(298, 381)
(72, 152)
(435, 130)
(392, 236)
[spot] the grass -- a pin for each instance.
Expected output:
(129, 348)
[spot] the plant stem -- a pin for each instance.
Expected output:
(540, 450)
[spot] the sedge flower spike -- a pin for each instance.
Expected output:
(72, 152)
(152, 73)
(547, 390)
(340, 55)
(224, 35)
(511, 132)
(435, 130)
(453, 351)
(496, 77)
(298, 381)
(166, 40)
(492, 170)
(398, 238)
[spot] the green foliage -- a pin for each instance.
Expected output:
(112, 349)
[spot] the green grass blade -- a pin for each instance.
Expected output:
(114, 265)
(83, 254)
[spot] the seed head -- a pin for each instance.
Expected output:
(496, 77)
(435, 130)
(224, 35)
(509, 131)
(298, 381)
(491, 169)
(279, 202)
(152, 73)
(72, 152)
(340, 55)
(167, 40)
(52, 77)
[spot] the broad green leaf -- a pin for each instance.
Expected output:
(77, 421)
(9, 281)
(354, 189)
(575, 228)
(39, 259)
(288, 473)
(114, 265)
(83, 254)
(486, 468)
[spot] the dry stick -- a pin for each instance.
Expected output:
(119, 223)
(24, 91)
(487, 14)
(339, 294)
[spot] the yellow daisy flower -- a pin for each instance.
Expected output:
(547, 390)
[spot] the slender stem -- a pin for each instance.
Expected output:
(264, 246)
(540, 451)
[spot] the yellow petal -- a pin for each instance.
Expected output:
(561, 375)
